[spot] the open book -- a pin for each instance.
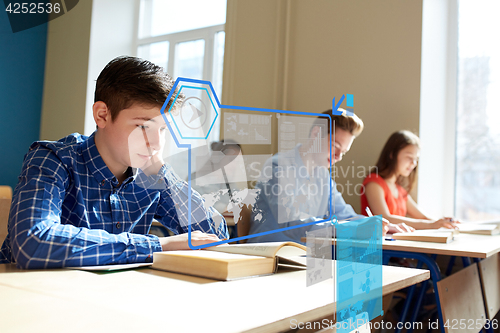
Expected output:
(231, 261)
(429, 235)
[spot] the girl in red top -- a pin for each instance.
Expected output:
(390, 181)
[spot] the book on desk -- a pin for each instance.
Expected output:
(479, 228)
(444, 235)
(232, 261)
(428, 235)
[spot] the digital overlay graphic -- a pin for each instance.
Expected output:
(195, 121)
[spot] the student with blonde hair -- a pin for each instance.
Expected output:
(295, 205)
(388, 186)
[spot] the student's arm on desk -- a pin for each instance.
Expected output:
(40, 240)
(391, 228)
(276, 207)
(375, 196)
(341, 210)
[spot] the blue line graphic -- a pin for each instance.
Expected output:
(178, 84)
(349, 105)
(349, 100)
(213, 122)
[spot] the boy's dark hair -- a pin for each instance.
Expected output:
(127, 80)
(388, 159)
(352, 124)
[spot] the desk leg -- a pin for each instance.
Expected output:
(466, 261)
(421, 295)
(409, 297)
(406, 307)
(418, 303)
(450, 265)
(433, 268)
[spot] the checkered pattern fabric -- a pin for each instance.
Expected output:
(68, 209)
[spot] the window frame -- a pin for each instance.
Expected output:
(438, 107)
(207, 34)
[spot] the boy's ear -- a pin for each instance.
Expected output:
(102, 115)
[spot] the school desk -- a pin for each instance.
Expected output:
(466, 246)
(146, 300)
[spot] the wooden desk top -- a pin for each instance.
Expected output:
(464, 245)
(145, 299)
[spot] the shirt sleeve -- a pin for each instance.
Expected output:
(341, 209)
(181, 206)
(40, 240)
(285, 199)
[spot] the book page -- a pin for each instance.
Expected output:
(475, 226)
(212, 255)
(492, 222)
(432, 232)
(429, 235)
(262, 249)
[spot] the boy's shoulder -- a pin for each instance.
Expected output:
(72, 142)
(66, 149)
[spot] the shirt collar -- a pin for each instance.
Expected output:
(98, 168)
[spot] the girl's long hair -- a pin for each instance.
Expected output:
(388, 159)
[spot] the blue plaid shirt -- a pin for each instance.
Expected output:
(68, 209)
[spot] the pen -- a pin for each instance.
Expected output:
(368, 211)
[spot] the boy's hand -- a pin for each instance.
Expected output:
(153, 165)
(180, 242)
(385, 226)
(390, 228)
(400, 227)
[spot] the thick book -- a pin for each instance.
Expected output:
(232, 261)
(431, 235)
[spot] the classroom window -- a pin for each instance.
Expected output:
(186, 38)
(478, 117)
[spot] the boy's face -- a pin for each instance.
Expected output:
(135, 136)
(341, 143)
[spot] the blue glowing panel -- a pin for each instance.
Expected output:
(359, 270)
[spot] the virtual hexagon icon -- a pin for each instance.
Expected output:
(199, 110)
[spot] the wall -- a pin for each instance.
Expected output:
(65, 84)
(22, 63)
(111, 35)
(283, 54)
(297, 55)
(55, 105)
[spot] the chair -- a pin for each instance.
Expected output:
(5, 200)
